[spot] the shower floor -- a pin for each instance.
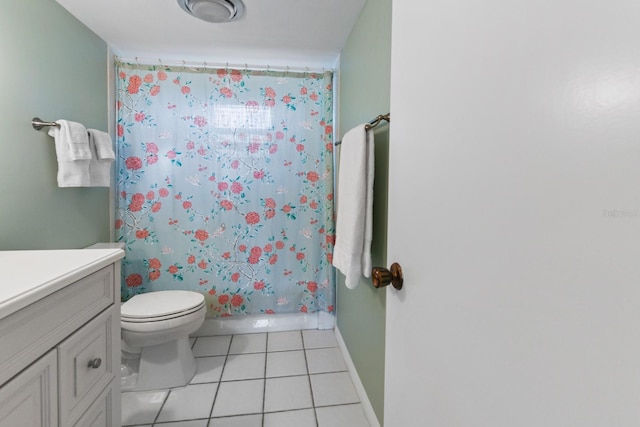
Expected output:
(293, 378)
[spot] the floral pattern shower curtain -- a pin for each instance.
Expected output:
(225, 186)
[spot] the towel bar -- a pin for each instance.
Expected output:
(38, 123)
(373, 123)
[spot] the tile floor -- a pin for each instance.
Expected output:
(295, 378)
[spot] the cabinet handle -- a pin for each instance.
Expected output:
(95, 363)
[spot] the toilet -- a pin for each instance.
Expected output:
(155, 339)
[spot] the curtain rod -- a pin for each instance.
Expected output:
(205, 64)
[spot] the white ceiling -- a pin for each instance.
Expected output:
(279, 33)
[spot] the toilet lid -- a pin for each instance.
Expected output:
(160, 303)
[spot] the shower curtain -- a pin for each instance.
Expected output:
(225, 186)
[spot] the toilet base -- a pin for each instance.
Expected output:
(165, 366)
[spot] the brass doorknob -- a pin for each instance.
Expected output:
(382, 277)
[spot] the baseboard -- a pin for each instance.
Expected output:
(364, 399)
(265, 323)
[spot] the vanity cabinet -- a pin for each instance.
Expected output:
(60, 348)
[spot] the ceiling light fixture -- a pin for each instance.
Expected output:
(213, 10)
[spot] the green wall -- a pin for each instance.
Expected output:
(364, 93)
(53, 67)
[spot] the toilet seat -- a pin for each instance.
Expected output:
(160, 306)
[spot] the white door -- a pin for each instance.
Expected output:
(515, 214)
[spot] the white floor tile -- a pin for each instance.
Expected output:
(208, 369)
(342, 416)
(244, 367)
(212, 346)
(325, 360)
(239, 398)
(282, 394)
(333, 389)
(241, 421)
(314, 338)
(300, 418)
(141, 407)
(190, 423)
(189, 403)
(284, 341)
(286, 363)
(248, 343)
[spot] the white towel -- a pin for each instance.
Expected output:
(352, 251)
(73, 153)
(100, 165)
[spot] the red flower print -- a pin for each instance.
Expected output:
(330, 239)
(299, 256)
(273, 149)
(286, 99)
(328, 130)
(270, 203)
(151, 159)
(133, 163)
(237, 300)
(279, 244)
(134, 84)
(258, 286)
(269, 92)
(154, 263)
(256, 250)
(120, 130)
(300, 148)
(226, 92)
(270, 103)
(191, 259)
(303, 309)
(303, 90)
(226, 205)
(133, 280)
(171, 154)
(303, 199)
(269, 213)
(268, 247)
(119, 223)
(235, 164)
(329, 147)
(212, 291)
(122, 75)
(279, 135)
(185, 89)
(312, 286)
(222, 73)
(252, 218)
(330, 258)
(154, 275)
(236, 188)
(269, 311)
(313, 96)
(226, 255)
(148, 78)
(254, 147)
(273, 259)
(162, 75)
(186, 204)
(236, 76)
(242, 248)
(163, 192)
(223, 299)
(154, 90)
(253, 259)
(286, 208)
(235, 277)
(151, 195)
(222, 186)
(312, 176)
(313, 204)
(151, 147)
(173, 269)
(139, 116)
(330, 308)
(200, 121)
(202, 264)
(191, 145)
(202, 235)
(142, 234)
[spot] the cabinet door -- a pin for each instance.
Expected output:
(102, 412)
(30, 399)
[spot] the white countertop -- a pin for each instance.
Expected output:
(28, 276)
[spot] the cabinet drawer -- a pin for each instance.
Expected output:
(32, 331)
(86, 365)
(104, 411)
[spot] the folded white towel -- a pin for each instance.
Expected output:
(104, 146)
(100, 164)
(352, 251)
(72, 152)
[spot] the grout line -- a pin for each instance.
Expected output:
(264, 384)
(306, 361)
(161, 407)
